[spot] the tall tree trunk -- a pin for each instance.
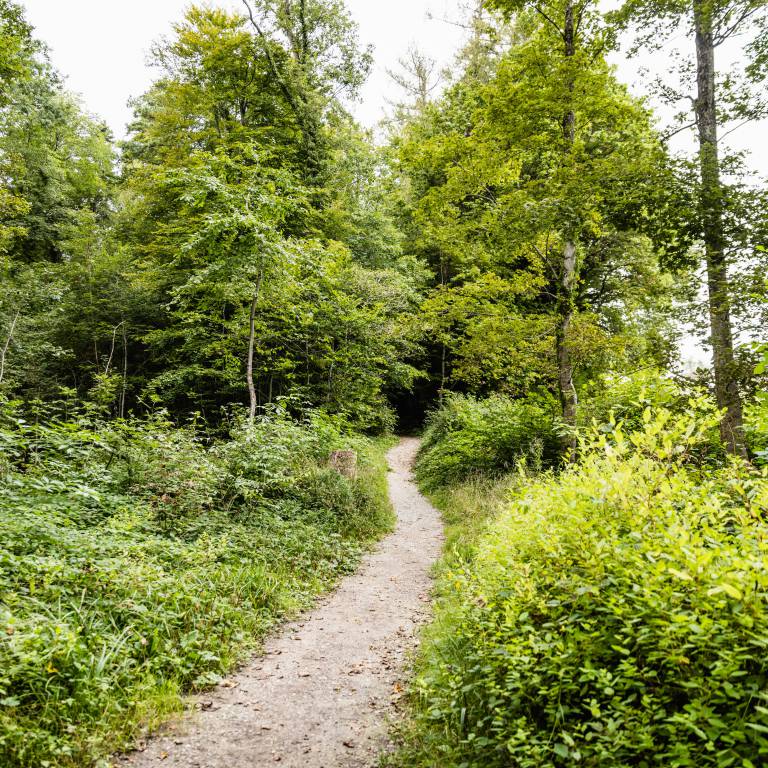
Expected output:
(125, 372)
(251, 347)
(441, 394)
(565, 303)
(4, 351)
(568, 397)
(726, 384)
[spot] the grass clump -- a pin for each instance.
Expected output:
(138, 561)
(615, 614)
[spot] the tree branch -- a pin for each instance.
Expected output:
(111, 350)
(289, 96)
(720, 37)
(685, 127)
(540, 11)
(735, 128)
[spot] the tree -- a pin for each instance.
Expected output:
(214, 256)
(711, 23)
(218, 90)
(417, 79)
(313, 55)
(574, 31)
(17, 48)
(544, 173)
(57, 162)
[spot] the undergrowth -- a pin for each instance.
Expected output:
(139, 562)
(467, 436)
(613, 614)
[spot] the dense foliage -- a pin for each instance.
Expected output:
(613, 614)
(243, 254)
(467, 436)
(192, 320)
(138, 561)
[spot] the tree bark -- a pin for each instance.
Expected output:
(711, 213)
(4, 351)
(441, 394)
(125, 372)
(568, 397)
(565, 303)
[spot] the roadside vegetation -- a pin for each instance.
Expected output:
(608, 613)
(192, 319)
(139, 562)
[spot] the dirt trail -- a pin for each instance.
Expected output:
(320, 695)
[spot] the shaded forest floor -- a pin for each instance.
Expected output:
(321, 694)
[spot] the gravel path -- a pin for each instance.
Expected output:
(320, 695)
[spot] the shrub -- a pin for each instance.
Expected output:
(756, 424)
(467, 436)
(624, 397)
(137, 562)
(614, 615)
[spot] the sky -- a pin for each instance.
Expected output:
(101, 45)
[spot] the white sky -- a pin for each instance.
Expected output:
(101, 45)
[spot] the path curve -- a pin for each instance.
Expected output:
(320, 695)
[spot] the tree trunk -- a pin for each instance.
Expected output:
(711, 212)
(565, 303)
(568, 397)
(4, 351)
(441, 394)
(125, 372)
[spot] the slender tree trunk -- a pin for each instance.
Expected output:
(111, 349)
(330, 385)
(4, 351)
(125, 372)
(251, 347)
(442, 374)
(568, 397)
(565, 303)
(726, 383)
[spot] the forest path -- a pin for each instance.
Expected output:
(320, 694)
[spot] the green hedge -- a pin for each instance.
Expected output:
(614, 615)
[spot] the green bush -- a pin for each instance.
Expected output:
(756, 424)
(615, 615)
(137, 562)
(467, 436)
(624, 397)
